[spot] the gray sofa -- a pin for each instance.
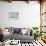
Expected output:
(22, 38)
(15, 33)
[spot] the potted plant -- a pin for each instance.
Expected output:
(37, 33)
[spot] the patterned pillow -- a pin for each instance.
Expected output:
(17, 30)
(11, 30)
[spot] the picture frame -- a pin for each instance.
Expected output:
(13, 15)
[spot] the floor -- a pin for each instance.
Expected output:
(35, 43)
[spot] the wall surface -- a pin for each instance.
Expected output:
(29, 14)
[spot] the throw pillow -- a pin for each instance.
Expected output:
(23, 31)
(28, 31)
(17, 30)
(11, 30)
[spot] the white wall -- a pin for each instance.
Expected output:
(29, 14)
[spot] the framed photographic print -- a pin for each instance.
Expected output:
(13, 15)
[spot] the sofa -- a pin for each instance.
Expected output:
(22, 34)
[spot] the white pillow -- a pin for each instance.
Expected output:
(28, 31)
(23, 31)
(5, 32)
